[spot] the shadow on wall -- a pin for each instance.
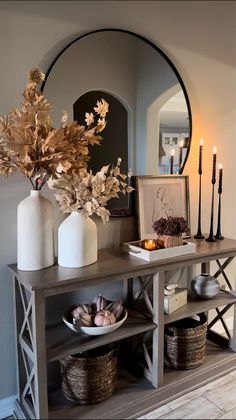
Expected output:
(116, 231)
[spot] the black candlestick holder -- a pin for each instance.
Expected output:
(199, 234)
(211, 237)
(171, 165)
(218, 234)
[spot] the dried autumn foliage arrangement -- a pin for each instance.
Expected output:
(31, 145)
(88, 192)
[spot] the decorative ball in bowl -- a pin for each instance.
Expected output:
(100, 317)
(205, 286)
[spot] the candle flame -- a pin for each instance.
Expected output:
(214, 150)
(172, 152)
(220, 166)
(181, 144)
(201, 142)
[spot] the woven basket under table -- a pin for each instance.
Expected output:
(185, 343)
(89, 380)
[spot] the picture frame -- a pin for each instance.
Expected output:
(161, 196)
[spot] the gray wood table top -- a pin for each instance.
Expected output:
(113, 264)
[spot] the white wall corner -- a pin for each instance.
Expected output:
(218, 327)
(7, 406)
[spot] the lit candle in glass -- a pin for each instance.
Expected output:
(213, 179)
(181, 145)
(172, 161)
(150, 244)
(200, 157)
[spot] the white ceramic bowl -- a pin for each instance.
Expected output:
(67, 318)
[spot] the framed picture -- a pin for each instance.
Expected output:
(161, 196)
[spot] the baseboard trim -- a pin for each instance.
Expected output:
(7, 406)
(19, 414)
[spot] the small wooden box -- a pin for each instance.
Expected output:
(173, 302)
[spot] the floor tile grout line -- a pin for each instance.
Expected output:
(221, 409)
(172, 410)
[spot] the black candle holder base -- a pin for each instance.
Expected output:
(199, 236)
(218, 234)
(219, 237)
(211, 239)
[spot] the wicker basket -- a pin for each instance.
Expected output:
(185, 343)
(89, 379)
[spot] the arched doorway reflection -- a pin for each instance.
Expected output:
(114, 143)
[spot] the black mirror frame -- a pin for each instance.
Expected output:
(153, 46)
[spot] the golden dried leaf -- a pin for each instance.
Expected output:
(36, 75)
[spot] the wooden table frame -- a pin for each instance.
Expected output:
(31, 289)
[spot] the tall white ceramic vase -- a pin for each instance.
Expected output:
(77, 241)
(35, 247)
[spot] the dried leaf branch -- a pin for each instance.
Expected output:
(31, 145)
(89, 193)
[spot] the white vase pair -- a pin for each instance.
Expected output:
(77, 236)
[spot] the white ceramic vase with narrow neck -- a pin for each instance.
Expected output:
(77, 241)
(35, 247)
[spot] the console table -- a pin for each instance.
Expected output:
(38, 345)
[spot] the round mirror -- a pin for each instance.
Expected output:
(149, 115)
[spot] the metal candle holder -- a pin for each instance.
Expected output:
(218, 232)
(180, 158)
(211, 237)
(199, 234)
(171, 164)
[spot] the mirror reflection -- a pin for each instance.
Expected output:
(174, 133)
(149, 115)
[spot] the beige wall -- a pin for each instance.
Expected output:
(198, 36)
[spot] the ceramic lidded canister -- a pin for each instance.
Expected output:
(205, 286)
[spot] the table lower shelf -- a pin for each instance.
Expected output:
(61, 341)
(133, 397)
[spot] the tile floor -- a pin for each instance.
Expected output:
(216, 400)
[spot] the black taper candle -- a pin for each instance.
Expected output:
(199, 234)
(211, 237)
(220, 180)
(218, 234)
(180, 156)
(213, 179)
(200, 160)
